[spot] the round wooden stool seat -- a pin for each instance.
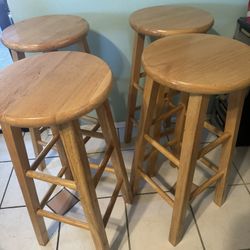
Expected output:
(198, 63)
(45, 33)
(157, 22)
(54, 90)
(160, 21)
(49, 91)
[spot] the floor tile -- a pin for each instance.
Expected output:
(149, 224)
(227, 227)
(77, 238)
(14, 197)
(17, 232)
(242, 162)
(5, 171)
(4, 154)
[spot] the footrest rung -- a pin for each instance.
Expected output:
(63, 219)
(51, 179)
(44, 152)
(205, 185)
(163, 150)
(156, 187)
(112, 203)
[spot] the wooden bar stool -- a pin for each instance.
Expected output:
(157, 22)
(43, 34)
(73, 84)
(199, 66)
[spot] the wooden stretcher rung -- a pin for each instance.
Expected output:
(44, 144)
(94, 129)
(64, 219)
(156, 187)
(209, 164)
(102, 165)
(51, 179)
(163, 150)
(212, 129)
(138, 87)
(168, 144)
(44, 152)
(205, 185)
(212, 145)
(52, 188)
(112, 203)
(167, 114)
(92, 133)
(90, 118)
(107, 169)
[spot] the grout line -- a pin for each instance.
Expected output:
(197, 227)
(5, 161)
(244, 183)
(127, 226)
(21, 206)
(6, 187)
(58, 236)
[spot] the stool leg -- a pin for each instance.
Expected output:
(35, 137)
(196, 111)
(135, 77)
(16, 147)
(179, 124)
(149, 99)
(62, 154)
(84, 46)
(16, 55)
(77, 156)
(109, 132)
(152, 166)
(235, 105)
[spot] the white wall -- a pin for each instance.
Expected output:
(111, 37)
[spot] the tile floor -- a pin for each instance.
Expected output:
(143, 225)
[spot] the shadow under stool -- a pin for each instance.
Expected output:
(73, 84)
(44, 34)
(158, 22)
(199, 66)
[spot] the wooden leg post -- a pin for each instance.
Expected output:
(135, 77)
(149, 99)
(195, 116)
(109, 132)
(16, 147)
(77, 156)
(235, 105)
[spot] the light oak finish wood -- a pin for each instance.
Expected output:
(57, 89)
(159, 21)
(200, 65)
(45, 33)
(47, 83)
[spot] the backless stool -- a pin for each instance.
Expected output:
(197, 65)
(73, 84)
(43, 34)
(158, 22)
